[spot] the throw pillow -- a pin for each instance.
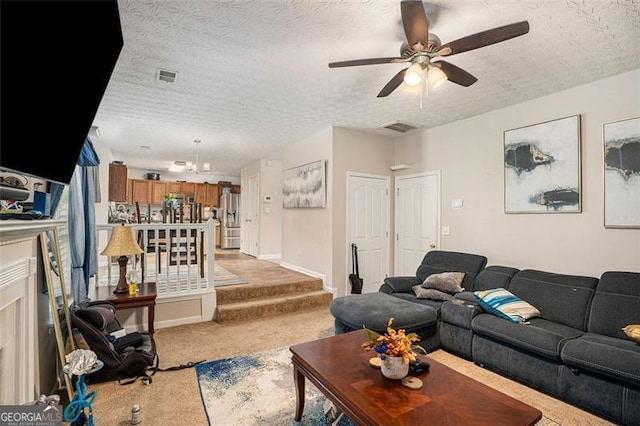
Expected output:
(430, 293)
(448, 282)
(505, 304)
(633, 332)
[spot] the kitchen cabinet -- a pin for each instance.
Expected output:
(235, 189)
(159, 190)
(117, 183)
(200, 193)
(188, 189)
(212, 195)
(141, 191)
(175, 187)
(129, 196)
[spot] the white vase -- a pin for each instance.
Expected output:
(394, 367)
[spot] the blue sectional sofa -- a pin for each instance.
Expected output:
(576, 350)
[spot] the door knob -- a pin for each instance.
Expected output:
(432, 246)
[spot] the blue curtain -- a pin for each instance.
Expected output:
(55, 189)
(83, 193)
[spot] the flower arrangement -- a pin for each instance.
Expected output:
(393, 343)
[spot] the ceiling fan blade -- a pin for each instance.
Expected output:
(392, 84)
(485, 38)
(415, 22)
(456, 74)
(356, 62)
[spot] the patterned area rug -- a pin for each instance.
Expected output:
(224, 277)
(257, 389)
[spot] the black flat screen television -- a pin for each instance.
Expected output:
(56, 60)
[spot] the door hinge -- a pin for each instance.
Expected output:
(397, 237)
(397, 192)
(386, 191)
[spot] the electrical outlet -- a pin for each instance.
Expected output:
(446, 230)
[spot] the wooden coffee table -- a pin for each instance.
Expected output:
(339, 368)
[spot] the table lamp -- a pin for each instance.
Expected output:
(122, 244)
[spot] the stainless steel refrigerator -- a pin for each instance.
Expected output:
(229, 210)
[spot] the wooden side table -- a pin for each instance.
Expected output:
(145, 297)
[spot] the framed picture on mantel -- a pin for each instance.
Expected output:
(622, 173)
(542, 167)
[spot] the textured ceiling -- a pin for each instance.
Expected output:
(253, 75)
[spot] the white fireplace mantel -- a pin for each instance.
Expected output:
(19, 372)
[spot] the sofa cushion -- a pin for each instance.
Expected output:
(615, 303)
(437, 261)
(564, 299)
(505, 304)
(604, 355)
(448, 282)
(431, 293)
(493, 277)
(411, 297)
(373, 310)
(540, 336)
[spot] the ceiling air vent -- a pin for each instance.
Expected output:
(166, 76)
(398, 126)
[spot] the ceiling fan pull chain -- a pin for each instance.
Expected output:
(425, 87)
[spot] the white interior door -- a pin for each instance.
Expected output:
(417, 220)
(250, 232)
(368, 211)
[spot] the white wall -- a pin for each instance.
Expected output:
(353, 151)
(470, 155)
(307, 233)
(269, 214)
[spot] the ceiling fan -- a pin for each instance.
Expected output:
(422, 47)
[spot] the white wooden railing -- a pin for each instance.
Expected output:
(193, 275)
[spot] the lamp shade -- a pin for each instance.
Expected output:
(122, 242)
(413, 75)
(436, 77)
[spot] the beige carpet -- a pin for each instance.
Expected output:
(174, 399)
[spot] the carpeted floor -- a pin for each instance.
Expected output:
(174, 398)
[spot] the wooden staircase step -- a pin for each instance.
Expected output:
(255, 308)
(247, 292)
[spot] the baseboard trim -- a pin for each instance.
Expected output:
(178, 321)
(130, 328)
(314, 274)
(270, 256)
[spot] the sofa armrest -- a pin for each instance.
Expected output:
(466, 296)
(399, 284)
(461, 310)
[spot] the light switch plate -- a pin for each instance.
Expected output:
(446, 230)
(457, 204)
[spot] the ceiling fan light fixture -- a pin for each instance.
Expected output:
(413, 75)
(436, 77)
(206, 167)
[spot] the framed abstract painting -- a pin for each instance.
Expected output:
(542, 167)
(305, 186)
(621, 140)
